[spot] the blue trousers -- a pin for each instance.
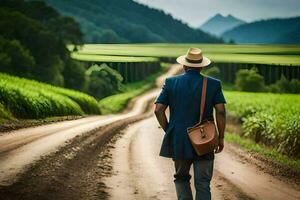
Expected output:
(203, 171)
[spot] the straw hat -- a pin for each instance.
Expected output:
(193, 58)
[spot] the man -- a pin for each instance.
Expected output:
(182, 93)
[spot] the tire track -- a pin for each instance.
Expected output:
(138, 172)
(63, 163)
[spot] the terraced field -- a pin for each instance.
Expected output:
(272, 61)
(113, 59)
(259, 54)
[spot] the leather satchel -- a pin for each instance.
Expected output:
(203, 135)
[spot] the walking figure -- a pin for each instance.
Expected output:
(182, 94)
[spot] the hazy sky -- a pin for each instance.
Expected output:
(195, 12)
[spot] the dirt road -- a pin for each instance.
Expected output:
(99, 158)
(20, 148)
(139, 173)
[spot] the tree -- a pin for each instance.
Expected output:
(103, 81)
(41, 34)
(15, 58)
(249, 80)
(74, 75)
(109, 36)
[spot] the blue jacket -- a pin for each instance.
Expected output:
(182, 94)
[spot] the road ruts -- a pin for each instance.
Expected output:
(139, 173)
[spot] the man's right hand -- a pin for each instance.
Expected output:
(220, 147)
(221, 123)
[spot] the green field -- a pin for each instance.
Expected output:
(259, 54)
(29, 99)
(108, 58)
(271, 119)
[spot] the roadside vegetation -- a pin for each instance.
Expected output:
(251, 81)
(116, 103)
(261, 149)
(103, 81)
(270, 119)
(269, 122)
(29, 99)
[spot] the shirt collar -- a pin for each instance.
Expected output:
(191, 71)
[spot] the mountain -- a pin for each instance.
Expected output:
(126, 21)
(218, 24)
(269, 31)
(291, 37)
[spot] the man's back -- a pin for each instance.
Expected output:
(185, 96)
(182, 93)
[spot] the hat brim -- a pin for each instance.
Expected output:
(205, 62)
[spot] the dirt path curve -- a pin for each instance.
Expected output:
(139, 173)
(21, 148)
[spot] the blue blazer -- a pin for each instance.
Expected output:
(182, 93)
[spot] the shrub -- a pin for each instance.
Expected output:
(116, 103)
(213, 72)
(285, 86)
(74, 75)
(294, 86)
(103, 81)
(15, 58)
(249, 80)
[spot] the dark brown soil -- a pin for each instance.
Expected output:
(264, 163)
(70, 173)
(26, 123)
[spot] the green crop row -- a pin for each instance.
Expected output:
(5, 114)
(258, 54)
(271, 119)
(26, 98)
(108, 58)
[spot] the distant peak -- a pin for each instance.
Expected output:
(218, 16)
(220, 23)
(231, 17)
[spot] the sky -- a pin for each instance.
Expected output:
(196, 12)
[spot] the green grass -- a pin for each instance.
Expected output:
(271, 119)
(118, 102)
(108, 58)
(228, 86)
(5, 115)
(263, 150)
(29, 99)
(259, 54)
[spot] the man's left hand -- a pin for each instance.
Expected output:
(220, 147)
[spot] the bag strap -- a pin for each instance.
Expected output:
(203, 98)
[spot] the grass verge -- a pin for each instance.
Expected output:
(118, 102)
(262, 150)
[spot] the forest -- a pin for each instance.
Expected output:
(126, 21)
(33, 38)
